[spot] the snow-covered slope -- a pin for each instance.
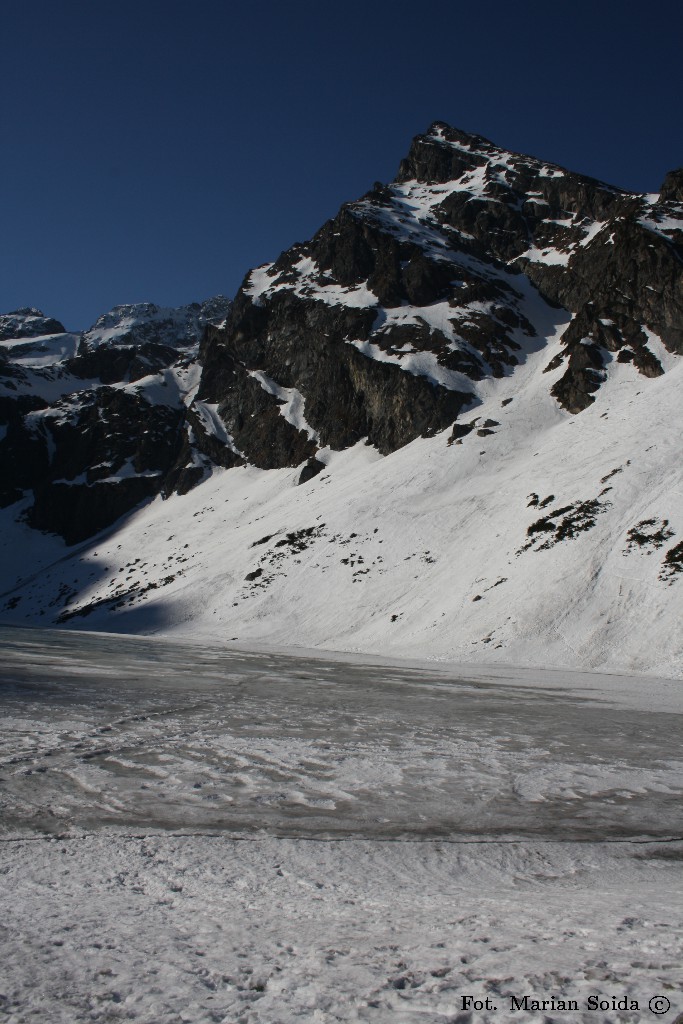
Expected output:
(447, 426)
(550, 540)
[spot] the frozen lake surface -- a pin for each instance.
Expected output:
(139, 734)
(201, 834)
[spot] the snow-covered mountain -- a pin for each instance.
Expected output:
(448, 425)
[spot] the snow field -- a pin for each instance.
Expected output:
(204, 930)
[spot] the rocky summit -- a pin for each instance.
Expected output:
(476, 366)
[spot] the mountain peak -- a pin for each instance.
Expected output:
(27, 322)
(444, 153)
(25, 311)
(441, 131)
(146, 322)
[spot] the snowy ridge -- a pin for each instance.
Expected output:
(529, 215)
(146, 322)
(92, 421)
(27, 322)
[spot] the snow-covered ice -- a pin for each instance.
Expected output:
(196, 833)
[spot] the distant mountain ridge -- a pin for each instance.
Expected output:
(92, 420)
(477, 278)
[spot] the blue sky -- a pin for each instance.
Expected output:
(157, 150)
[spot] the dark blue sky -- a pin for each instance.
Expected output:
(158, 149)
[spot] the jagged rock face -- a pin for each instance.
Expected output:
(110, 450)
(91, 425)
(303, 346)
(610, 257)
(389, 324)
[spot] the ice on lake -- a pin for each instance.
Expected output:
(203, 834)
(136, 734)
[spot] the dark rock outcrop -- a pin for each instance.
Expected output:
(311, 470)
(672, 187)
